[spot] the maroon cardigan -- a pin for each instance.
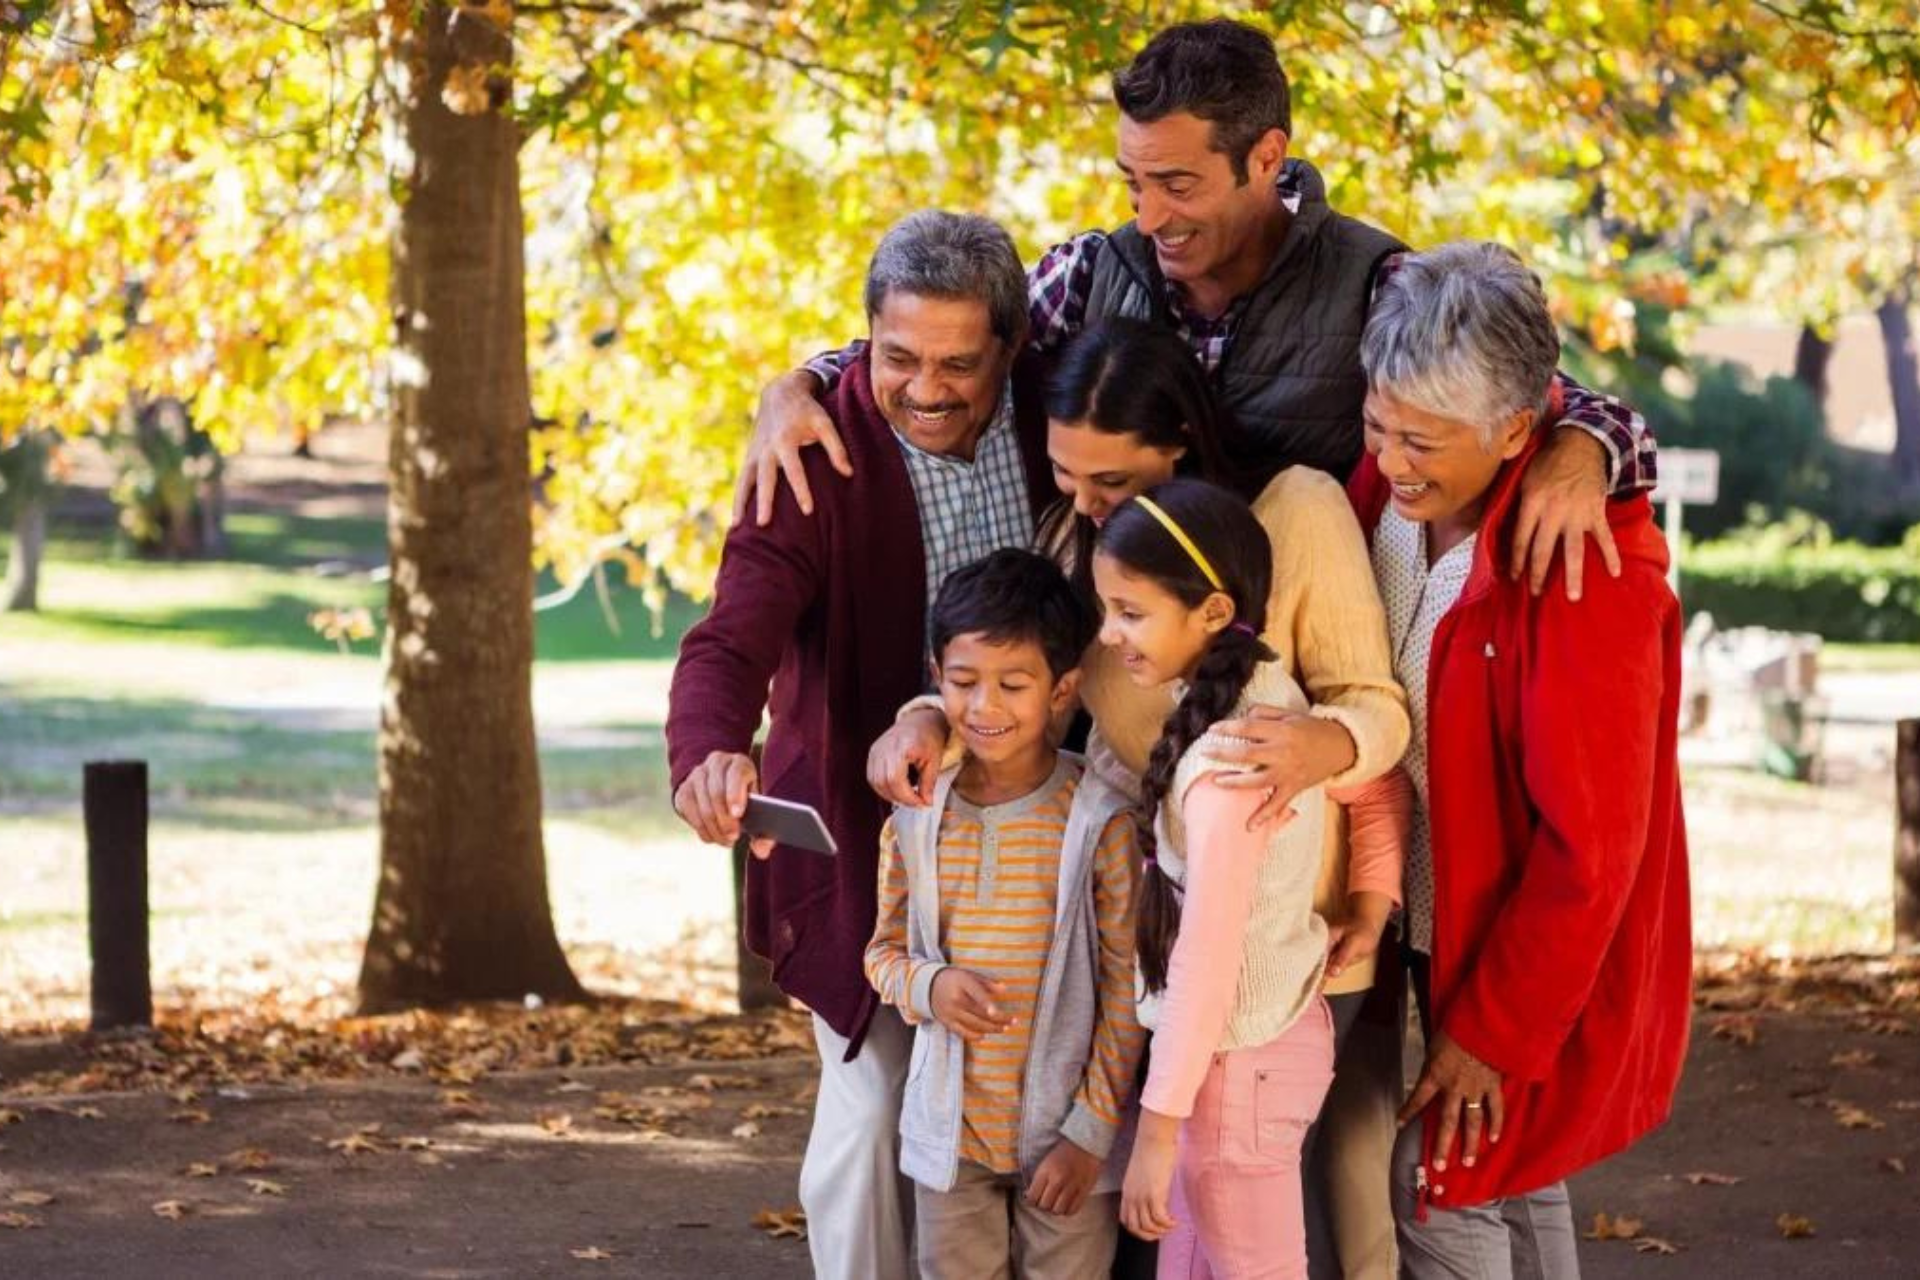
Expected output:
(830, 608)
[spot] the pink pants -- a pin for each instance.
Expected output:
(1236, 1192)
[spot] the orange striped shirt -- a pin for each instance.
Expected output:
(999, 886)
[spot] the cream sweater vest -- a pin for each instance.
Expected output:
(1285, 950)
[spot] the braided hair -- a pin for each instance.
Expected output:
(1236, 547)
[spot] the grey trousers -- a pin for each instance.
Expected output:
(1528, 1237)
(984, 1229)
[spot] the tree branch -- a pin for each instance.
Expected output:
(636, 20)
(1831, 25)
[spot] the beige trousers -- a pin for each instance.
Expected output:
(984, 1229)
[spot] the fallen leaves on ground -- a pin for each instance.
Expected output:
(592, 1254)
(355, 1143)
(16, 1221)
(1655, 1245)
(1741, 1029)
(172, 1210)
(9, 1117)
(1793, 1227)
(1894, 1164)
(1607, 1227)
(192, 1050)
(190, 1117)
(558, 1124)
(1854, 1058)
(1883, 986)
(1852, 1117)
(266, 1187)
(200, 1169)
(710, 1081)
(31, 1199)
(767, 1110)
(1714, 1179)
(250, 1160)
(782, 1224)
(747, 1129)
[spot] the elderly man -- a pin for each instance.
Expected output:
(1546, 885)
(945, 424)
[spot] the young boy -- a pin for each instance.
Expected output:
(1005, 936)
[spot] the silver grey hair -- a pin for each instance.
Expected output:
(1463, 331)
(936, 254)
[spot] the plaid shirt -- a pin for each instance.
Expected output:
(1060, 284)
(968, 509)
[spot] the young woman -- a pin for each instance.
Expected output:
(1231, 952)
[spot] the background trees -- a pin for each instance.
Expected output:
(558, 246)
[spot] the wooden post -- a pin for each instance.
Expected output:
(115, 802)
(1906, 839)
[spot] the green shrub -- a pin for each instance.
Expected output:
(1839, 590)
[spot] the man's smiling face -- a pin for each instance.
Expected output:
(1187, 199)
(938, 369)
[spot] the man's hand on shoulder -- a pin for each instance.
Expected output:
(714, 796)
(1563, 499)
(788, 420)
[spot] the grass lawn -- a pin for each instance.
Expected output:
(282, 568)
(260, 741)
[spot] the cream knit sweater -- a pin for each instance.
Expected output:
(1285, 947)
(1326, 623)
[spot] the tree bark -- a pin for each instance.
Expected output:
(1811, 357)
(461, 911)
(1903, 377)
(21, 593)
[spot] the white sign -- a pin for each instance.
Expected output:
(1689, 475)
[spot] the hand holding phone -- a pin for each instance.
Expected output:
(797, 825)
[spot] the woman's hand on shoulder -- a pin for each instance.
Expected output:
(1286, 753)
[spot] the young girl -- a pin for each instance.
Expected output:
(1231, 953)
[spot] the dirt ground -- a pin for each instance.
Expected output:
(1812, 1114)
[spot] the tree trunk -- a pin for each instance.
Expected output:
(1811, 356)
(21, 593)
(1903, 376)
(461, 911)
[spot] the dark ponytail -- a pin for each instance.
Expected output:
(1237, 549)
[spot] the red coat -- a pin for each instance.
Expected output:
(1562, 945)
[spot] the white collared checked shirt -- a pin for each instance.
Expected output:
(968, 509)
(1416, 598)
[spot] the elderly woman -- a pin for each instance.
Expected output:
(1546, 884)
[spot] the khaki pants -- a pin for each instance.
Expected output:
(984, 1229)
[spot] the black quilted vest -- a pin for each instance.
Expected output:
(1291, 374)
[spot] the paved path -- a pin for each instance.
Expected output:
(503, 1185)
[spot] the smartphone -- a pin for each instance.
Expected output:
(798, 825)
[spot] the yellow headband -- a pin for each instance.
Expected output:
(1180, 536)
